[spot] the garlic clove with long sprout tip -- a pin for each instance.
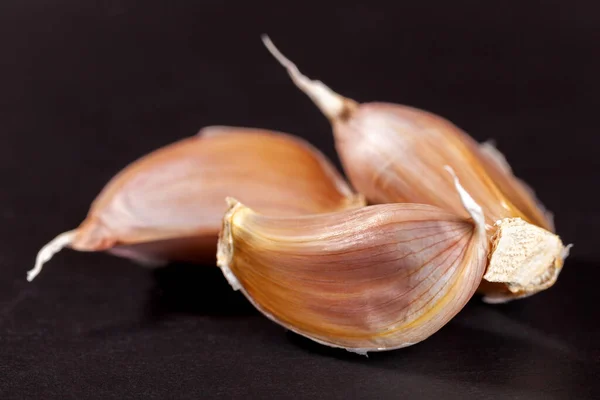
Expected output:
(168, 205)
(376, 278)
(395, 153)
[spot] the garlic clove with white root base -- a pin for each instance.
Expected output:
(376, 278)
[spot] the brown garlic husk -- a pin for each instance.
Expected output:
(395, 153)
(169, 205)
(376, 278)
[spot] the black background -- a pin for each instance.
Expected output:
(87, 87)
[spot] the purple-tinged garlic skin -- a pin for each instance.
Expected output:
(377, 278)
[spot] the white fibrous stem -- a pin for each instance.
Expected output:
(45, 254)
(329, 102)
(469, 203)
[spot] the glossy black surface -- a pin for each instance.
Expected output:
(87, 87)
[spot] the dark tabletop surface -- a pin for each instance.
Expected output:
(87, 87)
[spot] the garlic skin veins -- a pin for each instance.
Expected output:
(376, 278)
(169, 204)
(395, 153)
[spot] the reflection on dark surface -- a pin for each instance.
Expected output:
(196, 289)
(518, 343)
(515, 346)
(202, 290)
(190, 313)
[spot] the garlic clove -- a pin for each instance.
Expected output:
(375, 278)
(168, 205)
(395, 153)
(387, 150)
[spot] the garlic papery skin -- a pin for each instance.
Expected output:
(376, 278)
(396, 153)
(169, 204)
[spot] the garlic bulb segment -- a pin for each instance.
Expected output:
(395, 153)
(375, 278)
(168, 205)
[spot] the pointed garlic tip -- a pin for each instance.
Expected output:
(468, 202)
(329, 102)
(566, 251)
(45, 254)
(525, 258)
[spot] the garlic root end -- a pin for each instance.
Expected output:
(524, 257)
(45, 254)
(329, 102)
